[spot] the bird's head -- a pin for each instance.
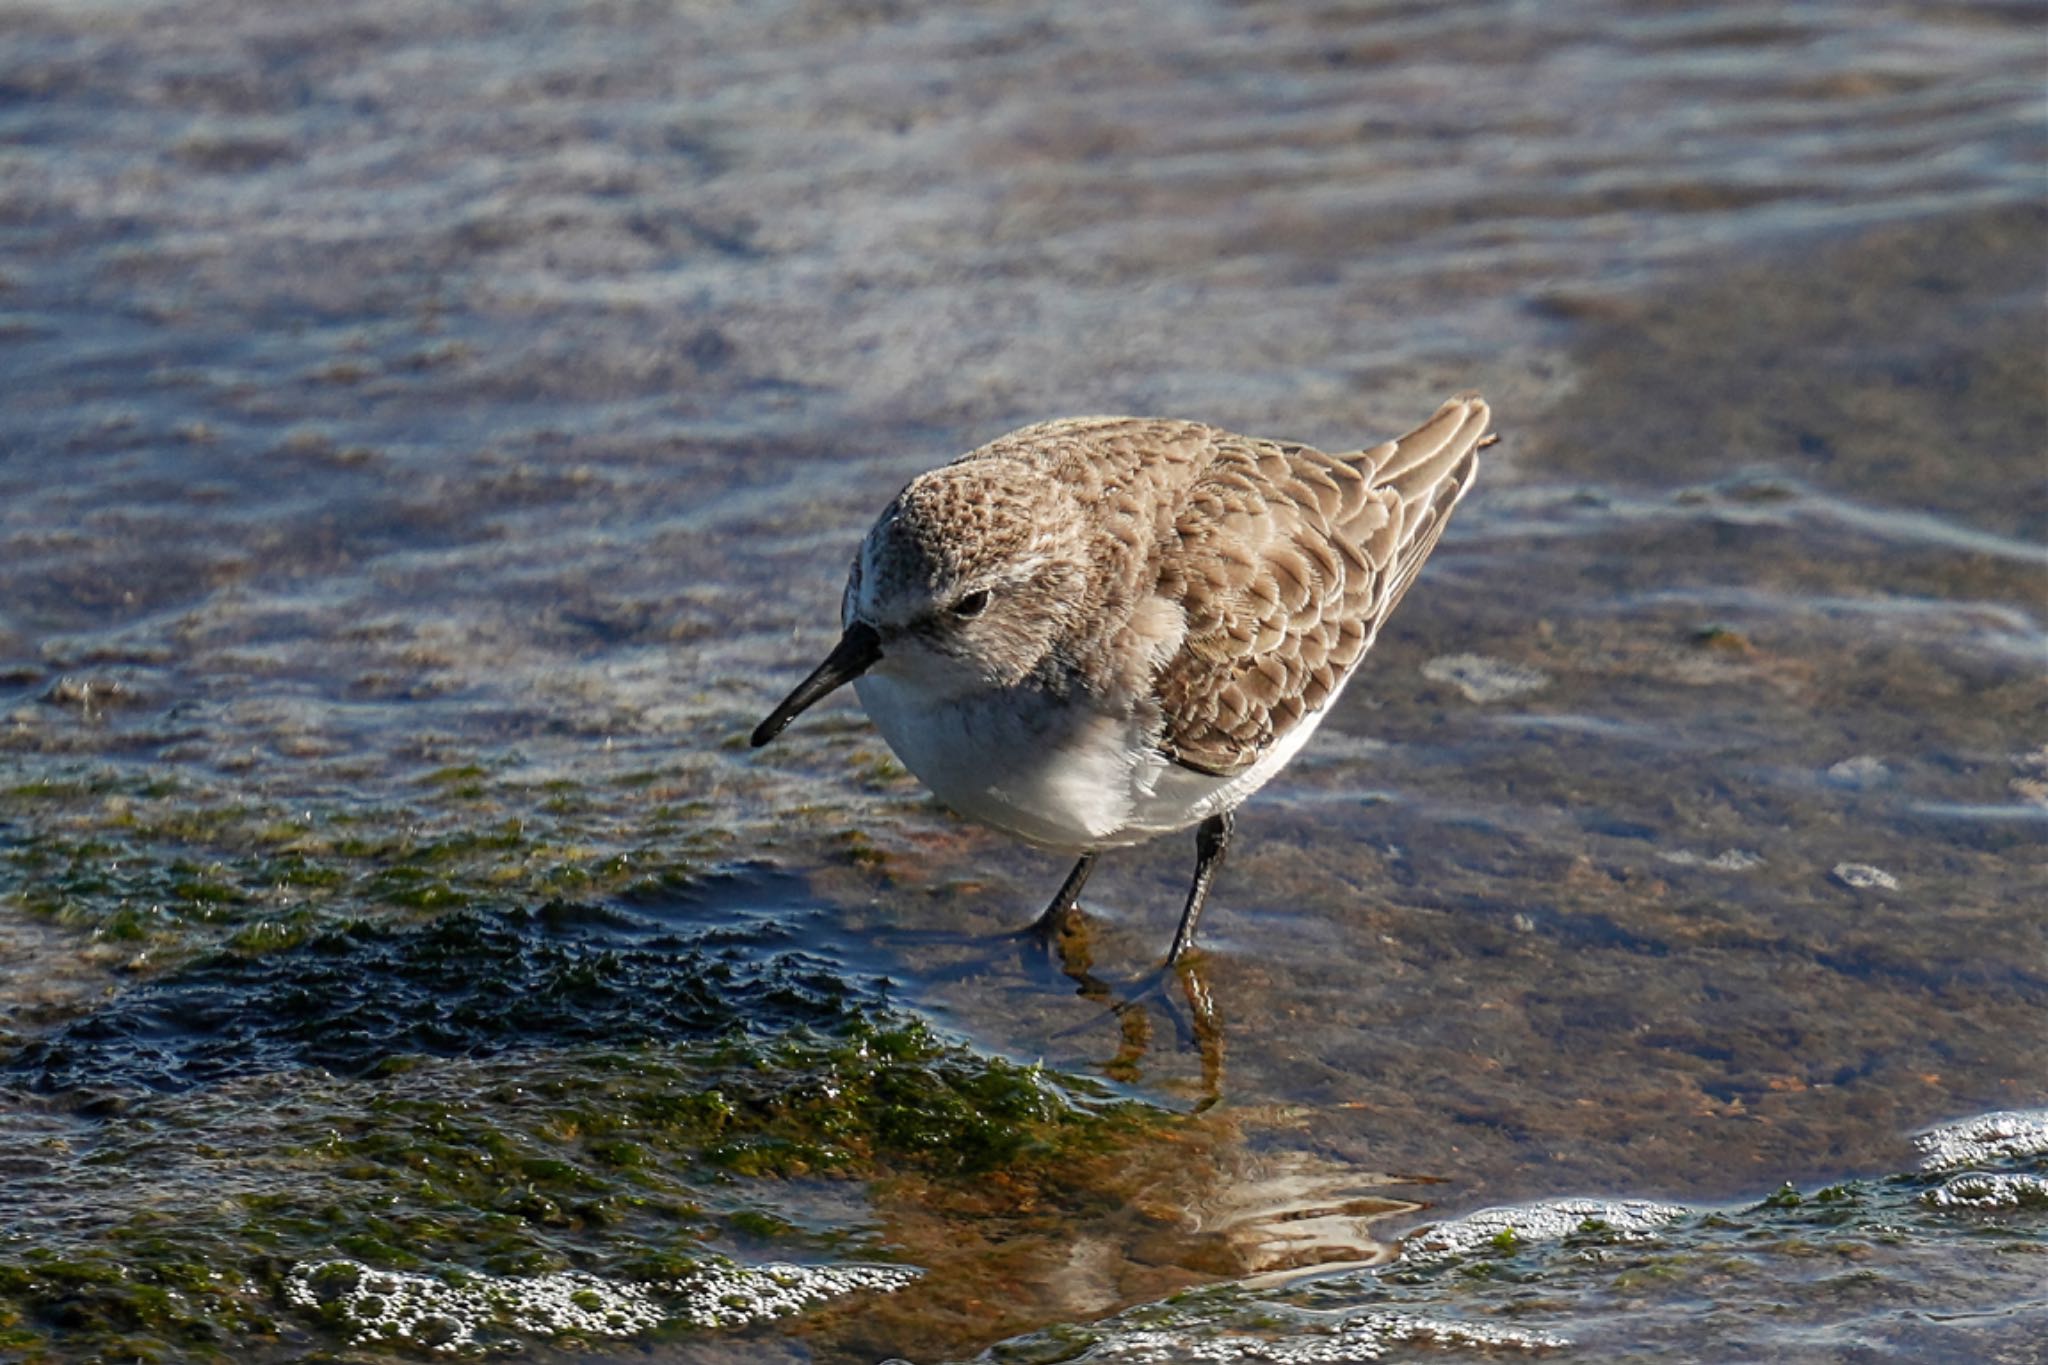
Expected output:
(964, 582)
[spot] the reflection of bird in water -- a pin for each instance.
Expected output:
(1202, 1028)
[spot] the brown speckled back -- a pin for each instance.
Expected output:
(1236, 582)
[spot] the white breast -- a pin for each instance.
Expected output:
(1054, 774)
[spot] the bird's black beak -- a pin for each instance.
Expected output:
(856, 653)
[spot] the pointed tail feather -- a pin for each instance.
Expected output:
(1429, 469)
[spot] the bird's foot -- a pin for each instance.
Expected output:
(1053, 945)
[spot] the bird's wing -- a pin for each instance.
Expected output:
(1288, 562)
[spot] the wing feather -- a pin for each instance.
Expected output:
(1288, 561)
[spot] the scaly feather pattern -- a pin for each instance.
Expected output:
(1238, 581)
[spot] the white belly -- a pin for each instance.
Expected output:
(1059, 775)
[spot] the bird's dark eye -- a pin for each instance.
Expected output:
(973, 604)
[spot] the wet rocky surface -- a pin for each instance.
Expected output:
(434, 435)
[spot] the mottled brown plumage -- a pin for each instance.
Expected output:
(1240, 580)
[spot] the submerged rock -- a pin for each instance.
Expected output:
(1864, 877)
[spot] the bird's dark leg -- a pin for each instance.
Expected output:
(1210, 842)
(1047, 925)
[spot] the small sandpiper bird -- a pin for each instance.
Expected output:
(1092, 631)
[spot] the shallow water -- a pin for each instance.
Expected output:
(433, 435)
(1942, 1262)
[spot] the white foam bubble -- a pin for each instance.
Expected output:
(1548, 1220)
(1994, 1191)
(734, 1296)
(1727, 860)
(1362, 1336)
(457, 1314)
(1860, 773)
(1864, 877)
(395, 1307)
(2008, 1135)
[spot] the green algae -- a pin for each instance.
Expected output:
(443, 1039)
(1786, 1196)
(102, 1302)
(623, 1163)
(179, 868)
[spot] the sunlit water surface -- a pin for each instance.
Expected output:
(433, 434)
